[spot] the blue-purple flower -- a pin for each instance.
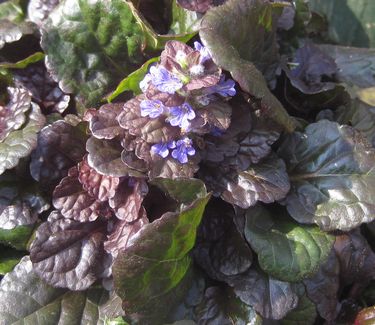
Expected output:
(145, 82)
(151, 108)
(165, 81)
(205, 53)
(181, 116)
(162, 148)
(184, 148)
(224, 87)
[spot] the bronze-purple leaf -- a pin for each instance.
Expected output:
(68, 253)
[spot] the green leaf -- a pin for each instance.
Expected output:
(350, 22)
(27, 300)
(9, 258)
(286, 250)
(131, 82)
(331, 168)
(181, 190)
(156, 41)
(36, 57)
(247, 55)
(11, 10)
(183, 20)
(158, 260)
(91, 45)
(18, 237)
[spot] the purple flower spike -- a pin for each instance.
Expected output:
(224, 88)
(205, 53)
(151, 108)
(181, 115)
(183, 149)
(165, 81)
(162, 148)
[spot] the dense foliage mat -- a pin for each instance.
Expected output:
(187, 162)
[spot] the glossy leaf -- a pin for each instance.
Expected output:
(312, 67)
(270, 298)
(323, 288)
(19, 143)
(98, 186)
(150, 268)
(103, 122)
(286, 250)
(60, 147)
(181, 190)
(20, 206)
(87, 58)
(266, 182)
(360, 116)
(331, 168)
(246, 55)
(70, 254)
(45, 92)
(304, 314)
(366, 316)
(105, 157)
(43, 303)
(221, 306)
(73, 201)
(221, 249)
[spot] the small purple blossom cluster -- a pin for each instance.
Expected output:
(184, 81)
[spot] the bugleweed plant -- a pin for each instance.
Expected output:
(187, 162)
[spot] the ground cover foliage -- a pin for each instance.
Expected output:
(187, 162)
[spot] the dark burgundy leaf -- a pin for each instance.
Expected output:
(73, 201)
(266, 182)
(13, 115)
(196, 5)
(99, 186)
(221, 250)
(217, 115)
(221, 306)
(172, 168)
(60, 147)
(105, 157)
(123, 232)
(356, 258)
(68, 253)
(313, 66)
(323, 288)
(271, 298)
(103, 122)
(44, 90)
(128, 199)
